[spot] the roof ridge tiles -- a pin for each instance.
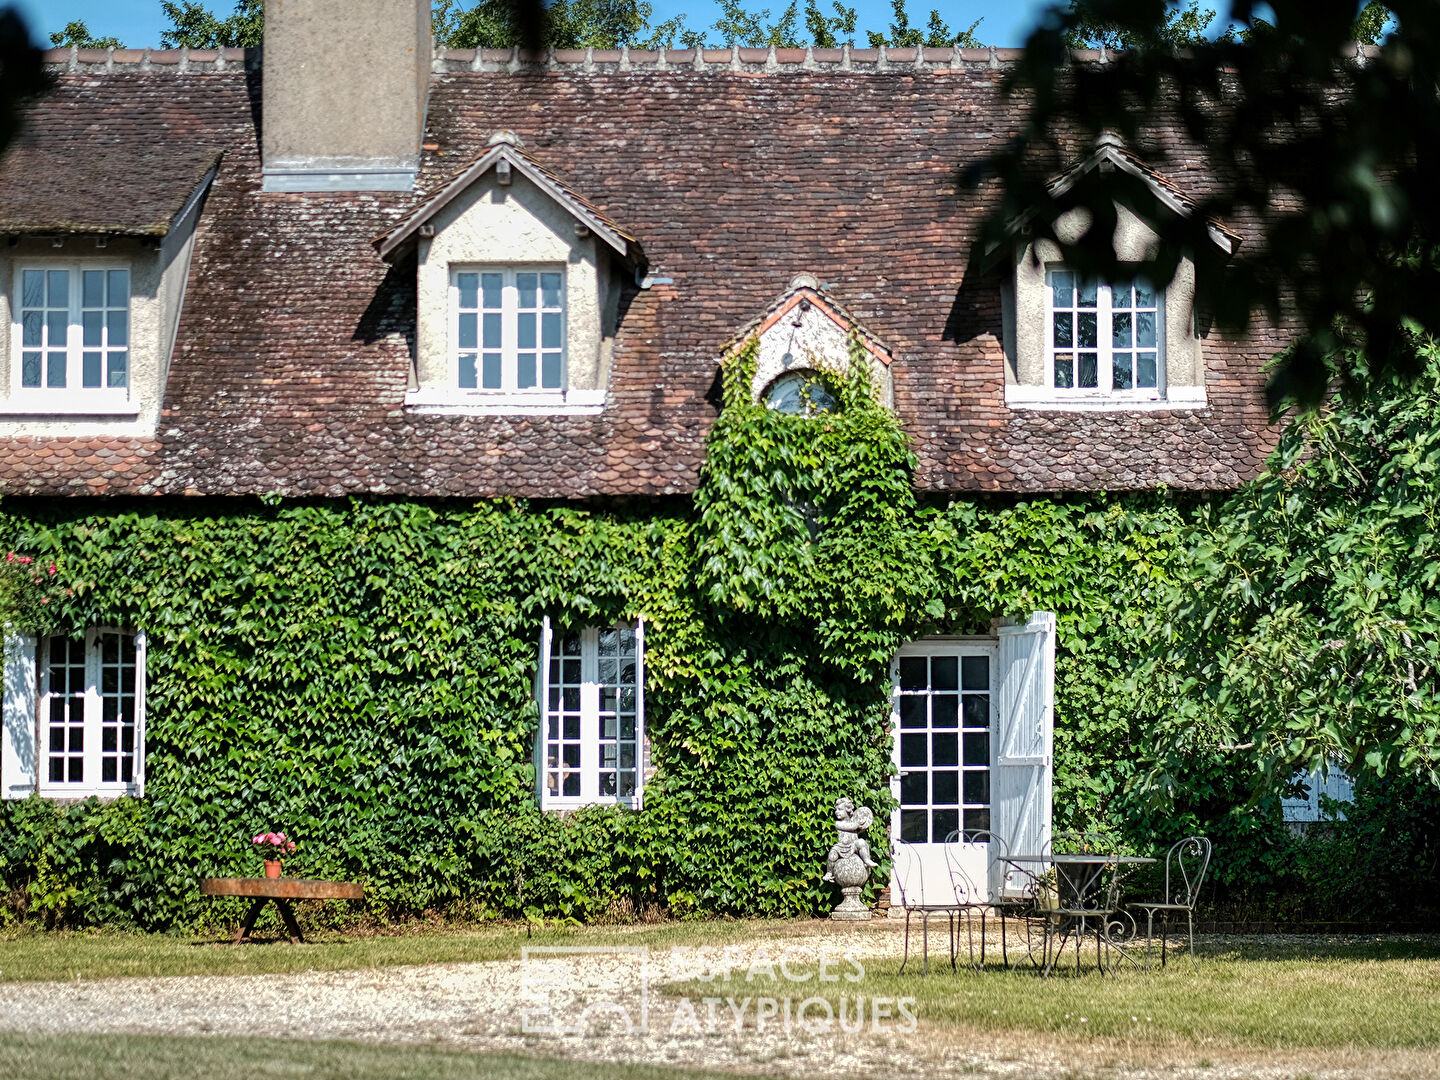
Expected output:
(886, 59)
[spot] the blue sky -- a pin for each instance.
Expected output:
(138, 23)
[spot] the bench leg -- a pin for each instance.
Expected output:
(249, 923)
(287, 913)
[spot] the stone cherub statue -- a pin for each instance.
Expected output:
(849, 863)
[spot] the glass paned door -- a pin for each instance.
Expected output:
(943, 717)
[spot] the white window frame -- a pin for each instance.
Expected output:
(509, 389)
(589, 723)
(93, 714)
(74, 397)
(1104, 330)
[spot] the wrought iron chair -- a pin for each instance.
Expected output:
(910, 880)
(981, 895)
(1185, 866)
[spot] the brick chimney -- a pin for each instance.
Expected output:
(344, 87)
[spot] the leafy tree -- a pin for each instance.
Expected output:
(738, 25)
(936, 35)
(1179, 27)
(563, 24)
(830, 32)
(1304, 626)
(194, 26)
(1334, 160)
(77, 34)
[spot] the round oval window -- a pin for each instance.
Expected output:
(800, 393)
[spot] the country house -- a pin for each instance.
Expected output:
(359, 276)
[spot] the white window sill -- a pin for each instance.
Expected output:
(79, 792)
(68, 404)
(468, 403)
(1176, 398)
(567, 806)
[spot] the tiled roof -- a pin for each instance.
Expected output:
(736, 171)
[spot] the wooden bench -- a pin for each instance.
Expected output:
(282, 891)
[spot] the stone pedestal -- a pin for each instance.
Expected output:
(850, 874)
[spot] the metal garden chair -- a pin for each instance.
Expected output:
(910, 880)
(980, 895)
(1185, 866)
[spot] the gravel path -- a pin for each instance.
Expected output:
(539, 1005)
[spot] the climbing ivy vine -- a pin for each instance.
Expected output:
(360, 674)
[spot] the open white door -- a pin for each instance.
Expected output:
(1024, 746)
(943, 718)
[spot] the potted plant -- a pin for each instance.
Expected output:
(273, 847)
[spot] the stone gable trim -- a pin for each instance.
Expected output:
(804, 288)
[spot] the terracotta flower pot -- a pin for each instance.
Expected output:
(272, 868)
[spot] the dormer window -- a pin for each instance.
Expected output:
(72, 330)
(1105, 340)
(509, 328)
(1078, 344)
(800, 393)
(518, 290)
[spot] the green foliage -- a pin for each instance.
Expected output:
(936, 35)
(31, 591)
(360, 674)
(195, 26)
(1178, 27)
(1306, 627)
(562, 24)
(76, 34)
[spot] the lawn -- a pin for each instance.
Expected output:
(1372, 995)
(37, 955)
(1251, 995)
(134, 1057)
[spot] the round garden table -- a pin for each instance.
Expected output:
(1085, 898)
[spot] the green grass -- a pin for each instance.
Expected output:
(1373, 996)
(39, 955)
(135, 1057)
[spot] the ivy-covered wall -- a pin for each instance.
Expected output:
(360, 675)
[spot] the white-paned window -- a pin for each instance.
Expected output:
(1104, 340)
(593, 716)
(508, 326)
(92, 713)
(72, 328)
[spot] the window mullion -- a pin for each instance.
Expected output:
(74, 373)
(509, 365)
(93, 708)
(589, 715)
(1106, 333)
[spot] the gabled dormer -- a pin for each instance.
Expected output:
(806, 331)
(518, 284)
(1077, 343)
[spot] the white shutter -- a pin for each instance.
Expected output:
(142, 648)
(1023, 752)
(542, 695)
(17, 742)
(642, 739)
